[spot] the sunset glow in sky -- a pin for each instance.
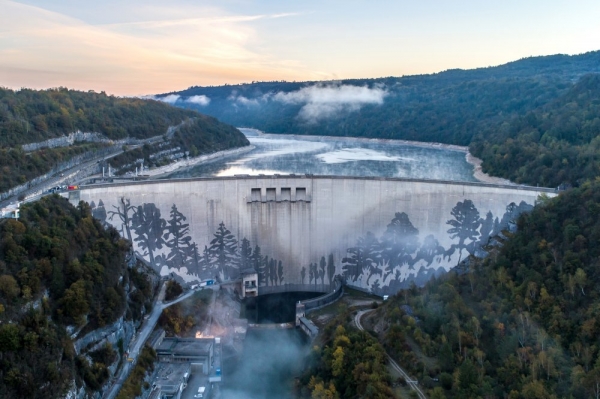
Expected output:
(142, 47)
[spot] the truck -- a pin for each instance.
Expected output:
(71, 188)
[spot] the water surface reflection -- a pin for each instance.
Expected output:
(338, 156)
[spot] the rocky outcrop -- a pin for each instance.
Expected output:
(119, 330)
(65, 141)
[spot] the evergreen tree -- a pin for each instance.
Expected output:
(464, 227)
(193, 263)
(257, 264)
(330, 268)
(177, 239)
(487, 227)
(311, 274)
(273, 271)
(204, 263)
(264, 271)
(99, 212)
(223, 249)
(149, 227)
(322, 265)
(399, 242)
(246, 259)
(280, 272)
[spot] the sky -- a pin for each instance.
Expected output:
(134, 47)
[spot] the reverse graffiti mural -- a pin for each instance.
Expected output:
(168, 243)
(382, 264)
(395, 260)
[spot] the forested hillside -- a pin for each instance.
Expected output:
(523, 323)
(32, 116)
(60, 268)
(28, 116)
(483, 106)
(350, 364)
(554, 144)
(202, 135)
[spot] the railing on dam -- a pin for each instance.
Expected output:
(277, 289)
(319, 302)
(320, 177)
(306, 306)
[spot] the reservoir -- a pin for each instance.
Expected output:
(281, 154)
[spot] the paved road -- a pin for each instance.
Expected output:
(414, 385)
(35, 192)
(140, 339)
(67, 176)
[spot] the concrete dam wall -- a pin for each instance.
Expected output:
(378, 234)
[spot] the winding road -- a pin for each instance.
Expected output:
(414, 385)
(140, 339)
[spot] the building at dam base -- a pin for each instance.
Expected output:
(378, 234)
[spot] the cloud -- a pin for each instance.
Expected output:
(196, 21)
(243, 100)
(324, 101)
(163, 48)
(246, 101)
(199, 100)
(169, 99)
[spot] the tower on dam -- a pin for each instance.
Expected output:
(377, 234)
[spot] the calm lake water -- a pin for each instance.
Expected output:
(337, 156)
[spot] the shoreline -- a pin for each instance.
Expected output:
(484, 177)
(184, 164)
(470, 158)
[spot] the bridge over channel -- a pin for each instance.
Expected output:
(378, 234)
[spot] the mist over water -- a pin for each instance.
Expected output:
(271, 357)
(267, 366)
(339, 157)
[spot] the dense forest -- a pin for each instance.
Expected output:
(548, 100)
(28, 116)
(349, 364)
(554, 144)
(61, 270)
(522, 323)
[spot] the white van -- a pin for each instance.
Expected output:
(200, 393)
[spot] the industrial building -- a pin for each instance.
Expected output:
(184, 364)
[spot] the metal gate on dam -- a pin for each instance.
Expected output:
(378, 234)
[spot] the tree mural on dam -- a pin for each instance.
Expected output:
(382, 263)
(168, 243)
(397, 258)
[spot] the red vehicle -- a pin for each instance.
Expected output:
(71, 188)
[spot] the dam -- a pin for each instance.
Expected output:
(377, 234)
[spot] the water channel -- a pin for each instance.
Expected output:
(271, 358)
